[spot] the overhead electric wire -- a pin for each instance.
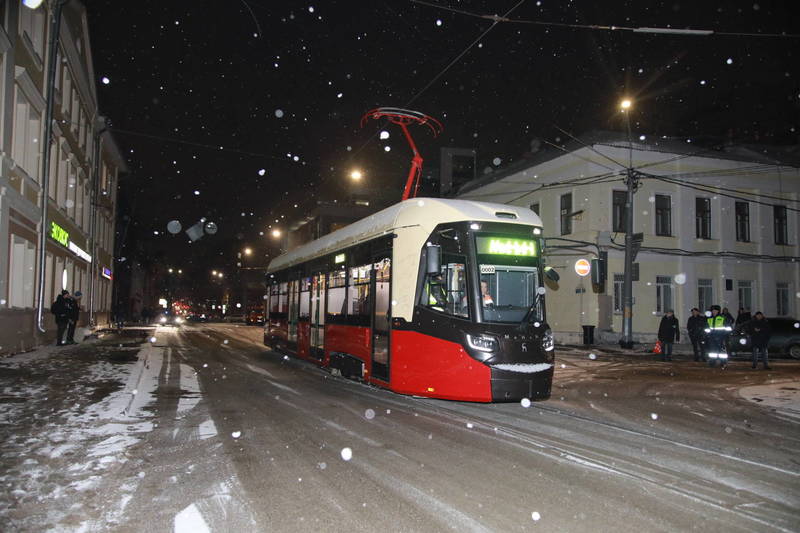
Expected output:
(642, 29)
(716, 190)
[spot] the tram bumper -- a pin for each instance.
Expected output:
(513, 382)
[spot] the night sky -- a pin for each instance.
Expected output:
(256, 104)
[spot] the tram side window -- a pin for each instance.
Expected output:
(273, 298)
(336, 292)
(358, 298)
(305, 288)
(283, 297)
(448, 291)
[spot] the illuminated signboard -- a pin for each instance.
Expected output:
(59, 234)
(339, 258)
(506, 246)
(106, 272)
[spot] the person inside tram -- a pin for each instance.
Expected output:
(486, 297)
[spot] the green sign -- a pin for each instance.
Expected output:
(59, 234)
(339, 258)
(506, 246)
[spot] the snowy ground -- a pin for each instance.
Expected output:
(202, 429)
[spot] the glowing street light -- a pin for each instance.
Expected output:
(248, 251)
(356, 175)
(276, 233)
(626, 104)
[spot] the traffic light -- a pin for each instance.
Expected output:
(599, 269)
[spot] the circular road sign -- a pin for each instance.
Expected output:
(582, 267)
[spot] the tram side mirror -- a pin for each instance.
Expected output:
(434, 260)
(551, 274)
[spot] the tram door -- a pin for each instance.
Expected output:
(381, 316)
(317, 332)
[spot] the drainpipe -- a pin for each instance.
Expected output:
(52, 55)
(93, 223)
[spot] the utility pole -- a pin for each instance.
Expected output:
(632, 182)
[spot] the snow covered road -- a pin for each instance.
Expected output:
(224, 435)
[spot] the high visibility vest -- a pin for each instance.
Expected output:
(717, 323)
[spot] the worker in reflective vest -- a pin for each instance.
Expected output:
(718, 327)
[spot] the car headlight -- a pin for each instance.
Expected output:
(548, 342)
(483, 343)
(163, 320)
(178, 320)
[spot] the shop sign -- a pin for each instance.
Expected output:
(59, 234)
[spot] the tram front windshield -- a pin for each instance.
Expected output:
(509, 279)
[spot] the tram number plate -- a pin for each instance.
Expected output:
(487, 269)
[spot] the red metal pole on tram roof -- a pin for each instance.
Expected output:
(404, 117)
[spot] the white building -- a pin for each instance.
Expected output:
(83, 161)
(720, 226)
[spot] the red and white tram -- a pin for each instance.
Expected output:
(430, 297)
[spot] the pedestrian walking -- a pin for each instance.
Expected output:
(695, 326)
(61, 311)
(74, 314)
(743, 317)
(669, 332)
(760, 332)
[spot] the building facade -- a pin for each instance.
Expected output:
(719, 226)
(84, 166)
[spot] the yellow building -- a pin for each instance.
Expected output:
(78, 233)
(719, 226)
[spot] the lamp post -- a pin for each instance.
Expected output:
(632, 183)
(92, 225)
(55, 28)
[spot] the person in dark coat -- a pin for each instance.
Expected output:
(669, 331)
(727, 314)
(695, 326)
(60, 310)
(743, 317)
(73, 312)
(760, 332)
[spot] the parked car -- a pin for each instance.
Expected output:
(785, 338)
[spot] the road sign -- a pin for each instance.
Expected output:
(582, 267)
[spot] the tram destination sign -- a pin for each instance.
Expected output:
(506, 246)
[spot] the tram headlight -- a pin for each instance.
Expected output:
(483, 343)
(548, 342)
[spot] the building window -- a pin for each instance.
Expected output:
(742, 221)
(781, 224)
(31, 24)
(619, 281)
(535, 208)
(782, 298)
(663, 294)
(702, 218)
(25, 143)
(566, 214)
(618, 210)
(21, 273)
(745, 290)
(663, 215)
(705, 294)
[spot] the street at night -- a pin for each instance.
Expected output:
(399, 266)
(205, 429)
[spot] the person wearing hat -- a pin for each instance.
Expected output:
(718, 328)
(74, 314)
(60, 309)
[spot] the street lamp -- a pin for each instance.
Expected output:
(248, 251)
(632, 183)
(356, 175)
(276, 233)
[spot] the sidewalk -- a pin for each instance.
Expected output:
(68, 415)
